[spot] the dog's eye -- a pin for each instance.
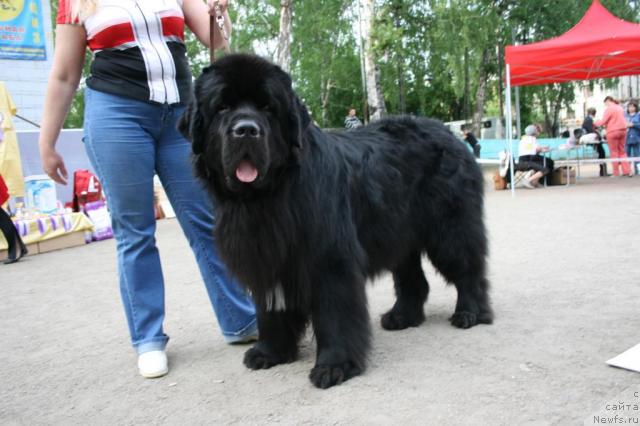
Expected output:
(223, 108)
(267, 108)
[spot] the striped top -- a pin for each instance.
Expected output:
(138, 49)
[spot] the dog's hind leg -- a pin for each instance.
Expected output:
(340, 324)
(412, 290)
(460, 256)
(279, 333)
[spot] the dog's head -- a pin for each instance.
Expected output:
(245, 123)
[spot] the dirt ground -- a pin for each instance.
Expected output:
(565, 287)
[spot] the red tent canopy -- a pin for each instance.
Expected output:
(599, 46)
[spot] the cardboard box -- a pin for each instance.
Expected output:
(65, 241)
(559, 176)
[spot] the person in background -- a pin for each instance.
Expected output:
(14, 242)
(538, 129)
(616, 125)
(139, 84)
(529, 159)
(470, 138)
(574, 137)
(351, 121)
(591, 136)
(632, 145)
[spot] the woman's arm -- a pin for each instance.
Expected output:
(68, 59)
(605, 118)
(196, 16)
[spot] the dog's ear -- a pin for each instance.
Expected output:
(299, 121)
(191, 125)
(298, 118)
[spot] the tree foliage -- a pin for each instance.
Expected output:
(439, 58)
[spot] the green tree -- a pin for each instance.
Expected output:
(439, 58)
(325, 63)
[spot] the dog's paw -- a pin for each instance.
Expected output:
(255, 359)
(396, 320)
(464, 319)
(324, 376)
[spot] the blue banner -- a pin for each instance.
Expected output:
(22, 30)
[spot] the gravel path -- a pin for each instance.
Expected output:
(566, 289)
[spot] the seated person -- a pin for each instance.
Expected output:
(574, 139)
(470, 138)
(530, 160)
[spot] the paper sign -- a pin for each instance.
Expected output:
(629, 359)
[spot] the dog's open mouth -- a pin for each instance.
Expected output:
(246, 172)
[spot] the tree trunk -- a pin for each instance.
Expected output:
(402, 104)
(500, 85)
(375, 101)
(556, 113)
(545, 111)
(325, 95)
(467, 88)
(326, 84)
(283, 49)
(551, 109)
(481, 94)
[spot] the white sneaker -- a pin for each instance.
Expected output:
(153, 364)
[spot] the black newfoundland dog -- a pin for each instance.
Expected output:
(303, 217)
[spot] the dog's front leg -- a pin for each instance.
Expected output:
(279, 333)
(341, 325)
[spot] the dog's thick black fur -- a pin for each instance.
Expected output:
(317, 213)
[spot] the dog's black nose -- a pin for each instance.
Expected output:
(245, 129)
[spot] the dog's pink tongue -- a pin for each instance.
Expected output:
(246, 172)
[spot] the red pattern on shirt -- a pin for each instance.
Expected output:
(121, 33)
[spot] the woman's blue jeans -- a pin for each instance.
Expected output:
(634, 151)
(128, 141)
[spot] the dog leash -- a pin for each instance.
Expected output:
(217, 20)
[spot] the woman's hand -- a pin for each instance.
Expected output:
(212, 6)
(53, 165)
(197, 15)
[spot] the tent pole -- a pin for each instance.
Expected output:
(518, 123)
(508, 123)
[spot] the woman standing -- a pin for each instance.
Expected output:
(632, 145)
(139, 83)
(616, 125)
